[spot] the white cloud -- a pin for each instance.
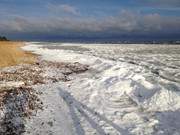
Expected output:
(125, 23)
(65, 8)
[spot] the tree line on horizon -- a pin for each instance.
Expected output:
(3, 38)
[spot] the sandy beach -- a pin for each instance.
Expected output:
(11, 54)
(20, 72)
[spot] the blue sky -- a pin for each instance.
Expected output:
(36, 19)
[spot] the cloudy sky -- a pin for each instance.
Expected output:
(55, 19)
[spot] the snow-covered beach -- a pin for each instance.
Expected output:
(89, 67)
(132, 89)
(98, 89)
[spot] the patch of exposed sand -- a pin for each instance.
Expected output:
(11, 54)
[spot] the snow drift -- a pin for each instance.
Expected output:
(129, 89)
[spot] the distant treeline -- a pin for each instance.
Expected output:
(3, 38)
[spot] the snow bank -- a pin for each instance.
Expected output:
(127, 92)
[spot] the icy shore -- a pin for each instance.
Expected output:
(121, 93)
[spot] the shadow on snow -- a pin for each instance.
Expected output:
(88, 113)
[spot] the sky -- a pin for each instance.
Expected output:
(121, 19)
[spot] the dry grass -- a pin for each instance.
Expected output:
(11, 54)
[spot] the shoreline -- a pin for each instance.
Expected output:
(91, 91)
(19, 101)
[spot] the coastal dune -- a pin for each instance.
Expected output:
(11, 54)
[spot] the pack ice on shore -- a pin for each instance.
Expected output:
(127, 90)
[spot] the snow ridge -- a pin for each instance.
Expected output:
(122, 93)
